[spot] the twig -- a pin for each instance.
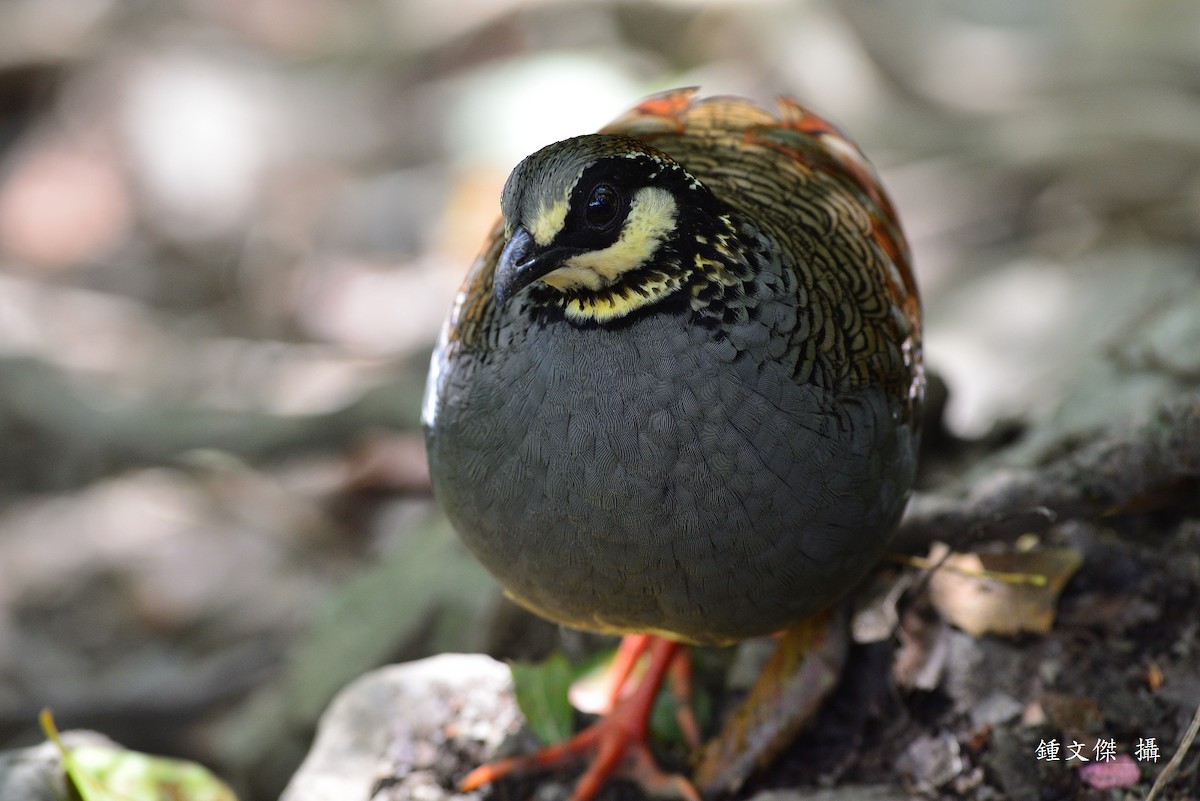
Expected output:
(922, 563)
(1113, 472)
(1172, 767)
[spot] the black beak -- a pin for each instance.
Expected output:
(518, 266)
(522, 262)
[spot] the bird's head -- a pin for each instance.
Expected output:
(607, 224)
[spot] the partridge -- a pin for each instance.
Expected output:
(679, 392)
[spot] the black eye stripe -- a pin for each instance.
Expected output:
(601, 198)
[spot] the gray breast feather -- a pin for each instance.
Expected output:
(629, 480)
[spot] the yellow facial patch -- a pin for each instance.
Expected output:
(651, 217)
(548, 221)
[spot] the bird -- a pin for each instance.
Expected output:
(678, 395)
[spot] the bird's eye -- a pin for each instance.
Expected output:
(602, 206)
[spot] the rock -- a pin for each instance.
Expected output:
(994, 709)
(36, 773)
(407, 731)
(932, 761)
(851, 792)
(978, 668)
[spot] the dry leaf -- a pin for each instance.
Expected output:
(1002, 593)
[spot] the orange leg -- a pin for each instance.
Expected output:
(628, 652)
(617, 741)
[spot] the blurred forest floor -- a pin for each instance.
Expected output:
(230, 229)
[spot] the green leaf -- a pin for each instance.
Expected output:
(114, 774)
(545, 692)
(664, 724)
(542, 695)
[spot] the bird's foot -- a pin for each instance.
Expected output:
(616, 742)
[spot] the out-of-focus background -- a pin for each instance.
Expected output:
(230, 229)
